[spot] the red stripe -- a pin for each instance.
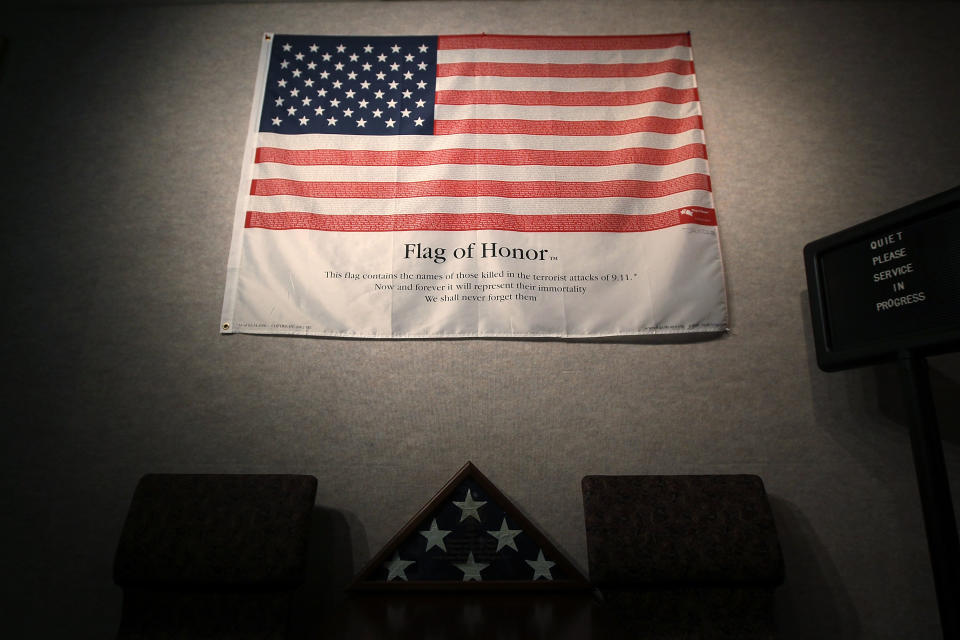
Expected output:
(649, 124)
(503, 157)
(568, 98)
(551, 70)
(479, 188)
(579, 223)
(563, 43)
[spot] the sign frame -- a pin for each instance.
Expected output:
(833, 357)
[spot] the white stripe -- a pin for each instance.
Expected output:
(630, 56)
(532, 206)
(523, 112)
(235, 258)
(497, 83)
(332, 173)
(479, 141)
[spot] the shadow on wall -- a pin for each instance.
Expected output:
(875, 395)
(887, 386)
(336, 539)
(864, 410)
(945, 385)
(811, 603)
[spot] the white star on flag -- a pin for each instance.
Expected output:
(541, 567)
(505, 536)
(396, 568)
(471, 568)
(435, 536)
(470, 507)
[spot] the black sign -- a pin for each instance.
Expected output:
(889, 285)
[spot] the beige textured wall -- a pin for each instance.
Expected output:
(123, 134)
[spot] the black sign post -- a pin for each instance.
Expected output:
(938, 517)
(889, 289)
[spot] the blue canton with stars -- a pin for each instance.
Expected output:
(351, 85)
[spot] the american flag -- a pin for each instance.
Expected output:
(453, 133)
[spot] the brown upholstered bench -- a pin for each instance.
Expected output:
(213, 556)
(694, 556)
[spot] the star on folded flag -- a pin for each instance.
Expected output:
(541, 567)
(435, 536)
(505, 536)
(470, 507)
(396, 568)
(471, 568)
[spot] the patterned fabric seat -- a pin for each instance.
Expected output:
(693, 556)
(213, 555)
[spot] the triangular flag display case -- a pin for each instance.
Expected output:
(469, 536)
